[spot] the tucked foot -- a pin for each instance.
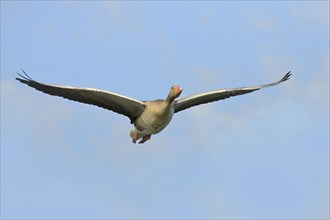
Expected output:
(145, 138)
(135, 136)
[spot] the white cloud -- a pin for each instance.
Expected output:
(317, 89)
(261, 23)
(19, 107)
(316, 12)
(123, 16)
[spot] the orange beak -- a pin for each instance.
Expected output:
(178, 90)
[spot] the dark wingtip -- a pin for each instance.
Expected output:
(286, 77)
(24, 77)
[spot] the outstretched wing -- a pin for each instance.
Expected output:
(120, 104)
(216, 95)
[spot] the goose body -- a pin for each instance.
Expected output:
(147, 117)
(154, 119)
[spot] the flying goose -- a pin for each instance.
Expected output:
(148, 117)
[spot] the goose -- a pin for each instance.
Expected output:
(148, 117)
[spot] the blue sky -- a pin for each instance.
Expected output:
(263, 155)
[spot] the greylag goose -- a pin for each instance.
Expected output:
(148, 117)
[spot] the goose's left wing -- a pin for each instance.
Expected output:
(203, 98)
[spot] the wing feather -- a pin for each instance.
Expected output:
(211, 96)
(111, 101)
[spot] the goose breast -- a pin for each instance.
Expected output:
(156, 116)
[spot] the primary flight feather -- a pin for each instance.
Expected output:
(148, 117)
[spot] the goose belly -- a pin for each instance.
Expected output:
(151, 124)
(155, 128)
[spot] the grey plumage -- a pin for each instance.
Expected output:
(211, 96)
(148, 117)
(115, 102)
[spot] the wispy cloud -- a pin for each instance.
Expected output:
(19, 106)
(266, 149)
(310, 12)
(120, 16)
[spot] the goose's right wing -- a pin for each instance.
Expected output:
(120, 104)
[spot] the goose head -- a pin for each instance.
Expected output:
(174, 93)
